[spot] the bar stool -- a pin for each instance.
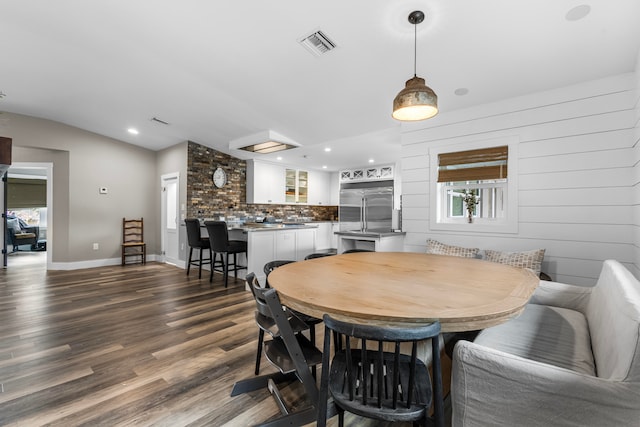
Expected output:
(220, 244)
(198, 242)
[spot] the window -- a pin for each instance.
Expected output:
(484, 171)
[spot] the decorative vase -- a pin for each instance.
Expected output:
(470, 217)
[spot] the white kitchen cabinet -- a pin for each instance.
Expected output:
(324, 236)
(268, 245)
(265, 182)
(286, 244)
(335, 227)
(296, 186)
(261, 249)
(319, 188)
(305, 242)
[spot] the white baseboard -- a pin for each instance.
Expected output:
(78, 265)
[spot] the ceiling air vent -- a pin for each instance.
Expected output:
(317, 43)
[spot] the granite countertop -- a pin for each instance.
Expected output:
(270, 226)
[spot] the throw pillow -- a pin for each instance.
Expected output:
(528, 259)
(438, 248)
(14, 224)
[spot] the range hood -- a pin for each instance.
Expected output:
(263, 143)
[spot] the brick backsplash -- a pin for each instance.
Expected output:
(205, 200)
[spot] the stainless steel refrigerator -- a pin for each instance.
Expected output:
(366, 206)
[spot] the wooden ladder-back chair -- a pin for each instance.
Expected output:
(133, 244)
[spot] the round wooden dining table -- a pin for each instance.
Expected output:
(403, 288)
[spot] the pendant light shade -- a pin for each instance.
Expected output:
(416, 101)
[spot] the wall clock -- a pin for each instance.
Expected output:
(219, 177)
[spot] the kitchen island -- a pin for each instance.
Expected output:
(272, 241)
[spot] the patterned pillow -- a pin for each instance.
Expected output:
(528, 259)
(437, 248)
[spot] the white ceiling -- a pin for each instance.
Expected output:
(217, 71)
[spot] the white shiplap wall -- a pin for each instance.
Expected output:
(636, 175)
(578, 173)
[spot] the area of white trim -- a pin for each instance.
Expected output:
(510, 224)
(106, 262)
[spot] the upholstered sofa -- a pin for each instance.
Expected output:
(572, 358)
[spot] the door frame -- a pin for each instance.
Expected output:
(163, 218)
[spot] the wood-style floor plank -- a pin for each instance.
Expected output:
(139, 345)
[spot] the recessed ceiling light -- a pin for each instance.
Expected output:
(461, 91)
(133, 131)
(279, 158)
(324, 166)
(371, 160)
(578, 12)
(327, 149)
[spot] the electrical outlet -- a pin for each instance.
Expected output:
(182, 246)
(96, 246)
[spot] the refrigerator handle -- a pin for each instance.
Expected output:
(363, 226)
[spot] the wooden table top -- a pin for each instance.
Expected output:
(406, 288)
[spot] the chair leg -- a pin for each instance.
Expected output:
(259, 352)
(226, 270)
(200, 264)
(312, 338)
(215, 256)
(189, 262)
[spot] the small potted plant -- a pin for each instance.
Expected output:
(470, 200)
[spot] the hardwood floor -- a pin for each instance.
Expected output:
(128, 346)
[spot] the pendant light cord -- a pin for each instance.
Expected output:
(415, 48)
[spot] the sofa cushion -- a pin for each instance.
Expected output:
(613, 312)
(528, 259)
(438, 248)
(552, 335)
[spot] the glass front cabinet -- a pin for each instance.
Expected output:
(297, 184)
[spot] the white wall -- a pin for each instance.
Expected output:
(83, 162)
(576, 169)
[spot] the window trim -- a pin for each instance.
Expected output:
(507, 225)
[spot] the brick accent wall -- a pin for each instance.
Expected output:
(205, 200)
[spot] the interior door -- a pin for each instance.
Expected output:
(170, 235)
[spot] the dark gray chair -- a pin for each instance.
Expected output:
(196, 241)
(318, 255)
(289, 351)
(221, 245)
(310, 321)
(373, 383)
(265, 321)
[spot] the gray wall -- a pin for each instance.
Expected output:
(577, 175)
(84, 162)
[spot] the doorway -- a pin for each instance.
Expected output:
(170, 185)
(29, 205)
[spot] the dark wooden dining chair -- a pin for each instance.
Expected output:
(352, 251)
(196, 241)
(288, 350)
(318, 255)
(133, 244)
(266, 322)
(309, 320)
(221, 245)
(366, 380)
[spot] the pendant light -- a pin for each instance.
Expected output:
(416, 101)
